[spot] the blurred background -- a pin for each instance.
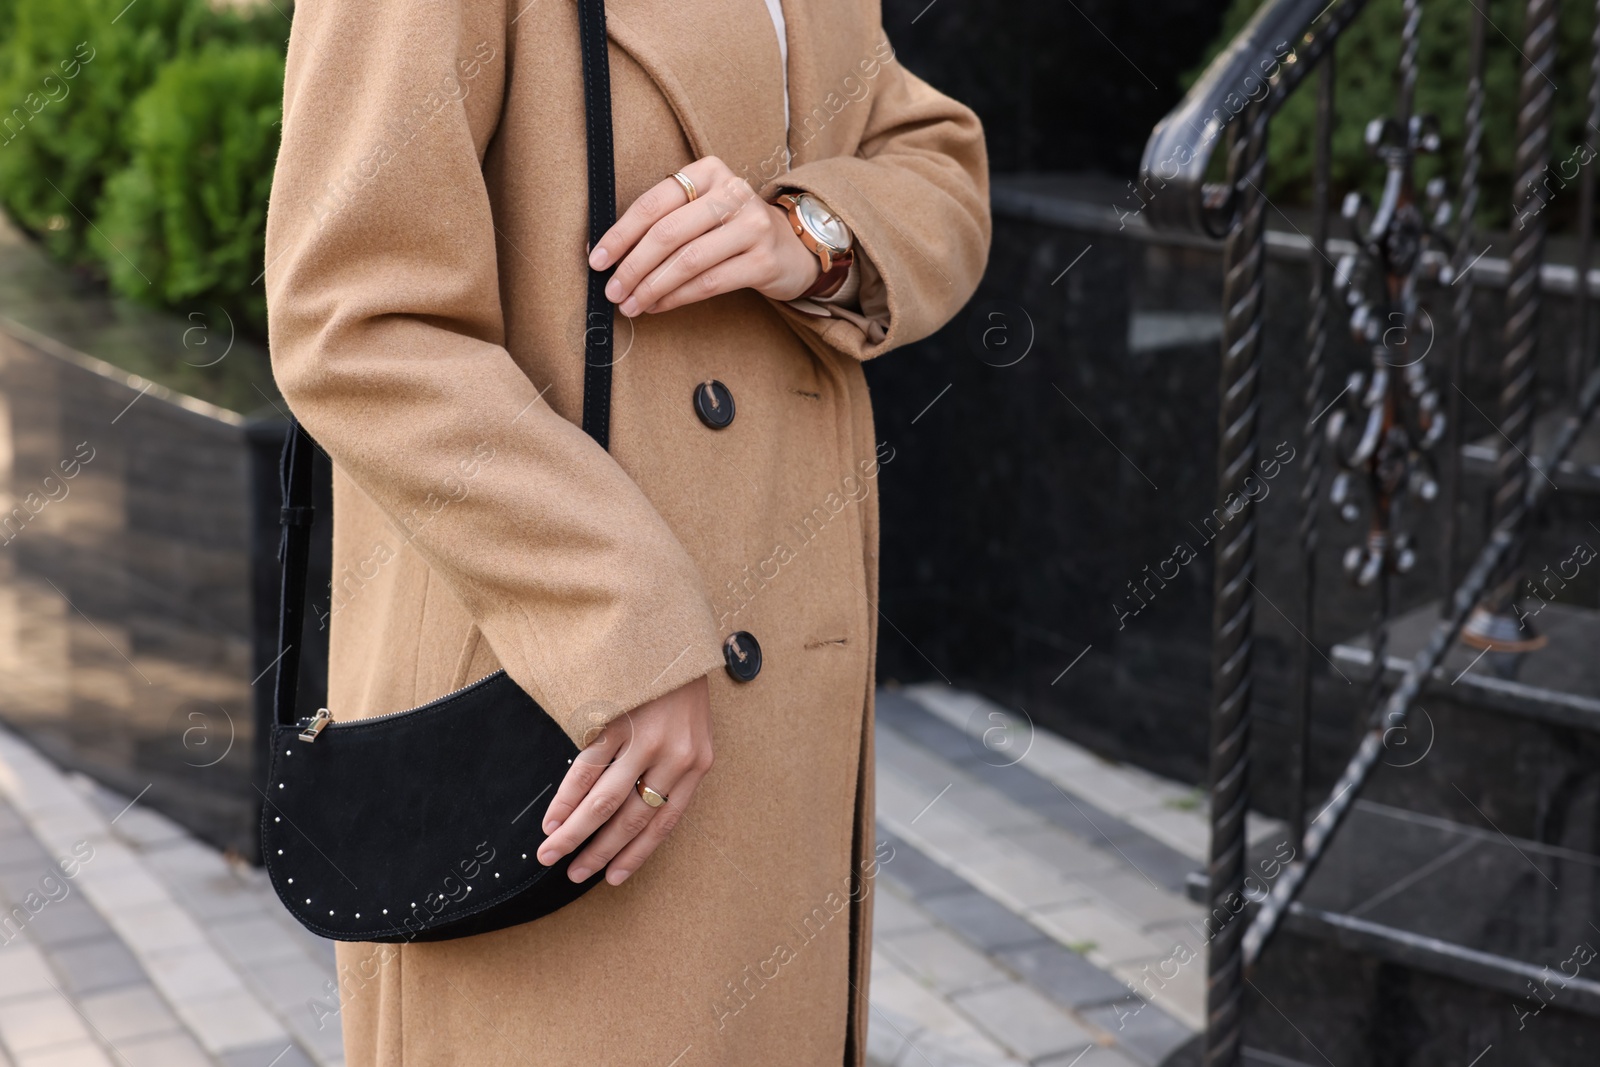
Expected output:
(1049, 630)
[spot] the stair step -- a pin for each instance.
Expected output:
(1465, 902)
(1580, 471)
(1555, 684)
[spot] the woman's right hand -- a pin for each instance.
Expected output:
(667, 743)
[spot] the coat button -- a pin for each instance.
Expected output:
(714, 404)
(743, 655)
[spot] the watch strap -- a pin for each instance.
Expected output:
(832, 280)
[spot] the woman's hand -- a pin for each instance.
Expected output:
(672, 252)
(667, 742)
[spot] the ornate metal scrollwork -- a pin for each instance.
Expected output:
(1392, 416)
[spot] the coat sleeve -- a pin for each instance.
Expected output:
(387, 340)
(916, 196)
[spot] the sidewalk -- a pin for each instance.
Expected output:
(1032, 913)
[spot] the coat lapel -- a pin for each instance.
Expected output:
(718, 64)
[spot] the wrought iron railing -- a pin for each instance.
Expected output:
(1387, 427)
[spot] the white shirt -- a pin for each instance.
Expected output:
(775, 9)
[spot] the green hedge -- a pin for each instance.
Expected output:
(1368, 54)
(137, 141)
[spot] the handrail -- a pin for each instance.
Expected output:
(1263, 64)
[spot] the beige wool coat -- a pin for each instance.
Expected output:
(426, 271)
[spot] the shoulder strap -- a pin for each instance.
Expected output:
(295, 464)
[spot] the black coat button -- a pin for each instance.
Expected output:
(743, 655)
(714, 404)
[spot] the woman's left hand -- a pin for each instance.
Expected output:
(673, 252)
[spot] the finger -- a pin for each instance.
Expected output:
(690, 261)
(664, 239)
(602, 801)
(747, 270)
(628, 823)
(659, 828)
(585, 771)
(653, 205)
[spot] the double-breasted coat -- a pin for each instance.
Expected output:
(426, 272)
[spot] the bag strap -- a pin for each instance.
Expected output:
(295, 463)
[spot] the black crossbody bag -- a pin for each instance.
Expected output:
(424, 825)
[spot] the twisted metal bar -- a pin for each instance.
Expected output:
(1534, 112)
(1311, 480)
(1409, 42)
(1462, 341)
(1233, 613)
(1578, 357)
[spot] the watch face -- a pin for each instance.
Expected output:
(823, 224)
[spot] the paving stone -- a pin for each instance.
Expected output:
(167, 1050)
(1150, 905)
(1175, 982)
(1160, 863)
(129, 1012)
(1023, 1021)
(1066, 852)
(255, 938)
(11, 824)
(144, 828)
(1021, 881)
(23, 971)
(984, 923)
(163, 927)
(893, 913)
(288, 984)
(30, 1023)
(941, 959)
(913, 1006)
(67, 921)
(191, 974)
(272, 1054)
(77, 1054)
(116, 891)
(23, 854)
(915, 874)
(932, 733)
(1063, 975)
(1142, 1030)
(235, 1019)
(1114, 939)
(94, 966)
(1093, 1056)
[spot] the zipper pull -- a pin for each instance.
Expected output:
(316, 725)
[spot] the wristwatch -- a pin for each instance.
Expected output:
(824, 234)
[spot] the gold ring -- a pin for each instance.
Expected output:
(648, 795)
(688, 186)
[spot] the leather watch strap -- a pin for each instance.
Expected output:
(295, 463)
(831, 280)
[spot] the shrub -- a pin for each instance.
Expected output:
(67, 73)
(185, 220)
(1368, 54)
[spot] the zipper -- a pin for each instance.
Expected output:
(324, 718)
(316, 725)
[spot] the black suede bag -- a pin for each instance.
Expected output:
(424, 825)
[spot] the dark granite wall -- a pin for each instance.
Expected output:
(1060, 87)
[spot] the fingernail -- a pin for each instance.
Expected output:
(617, 877)
(613, 290)
(599, 258)
(629, 307)
(578, 874)
(547, 856)
(551, 825)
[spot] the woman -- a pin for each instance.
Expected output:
(714, 574)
